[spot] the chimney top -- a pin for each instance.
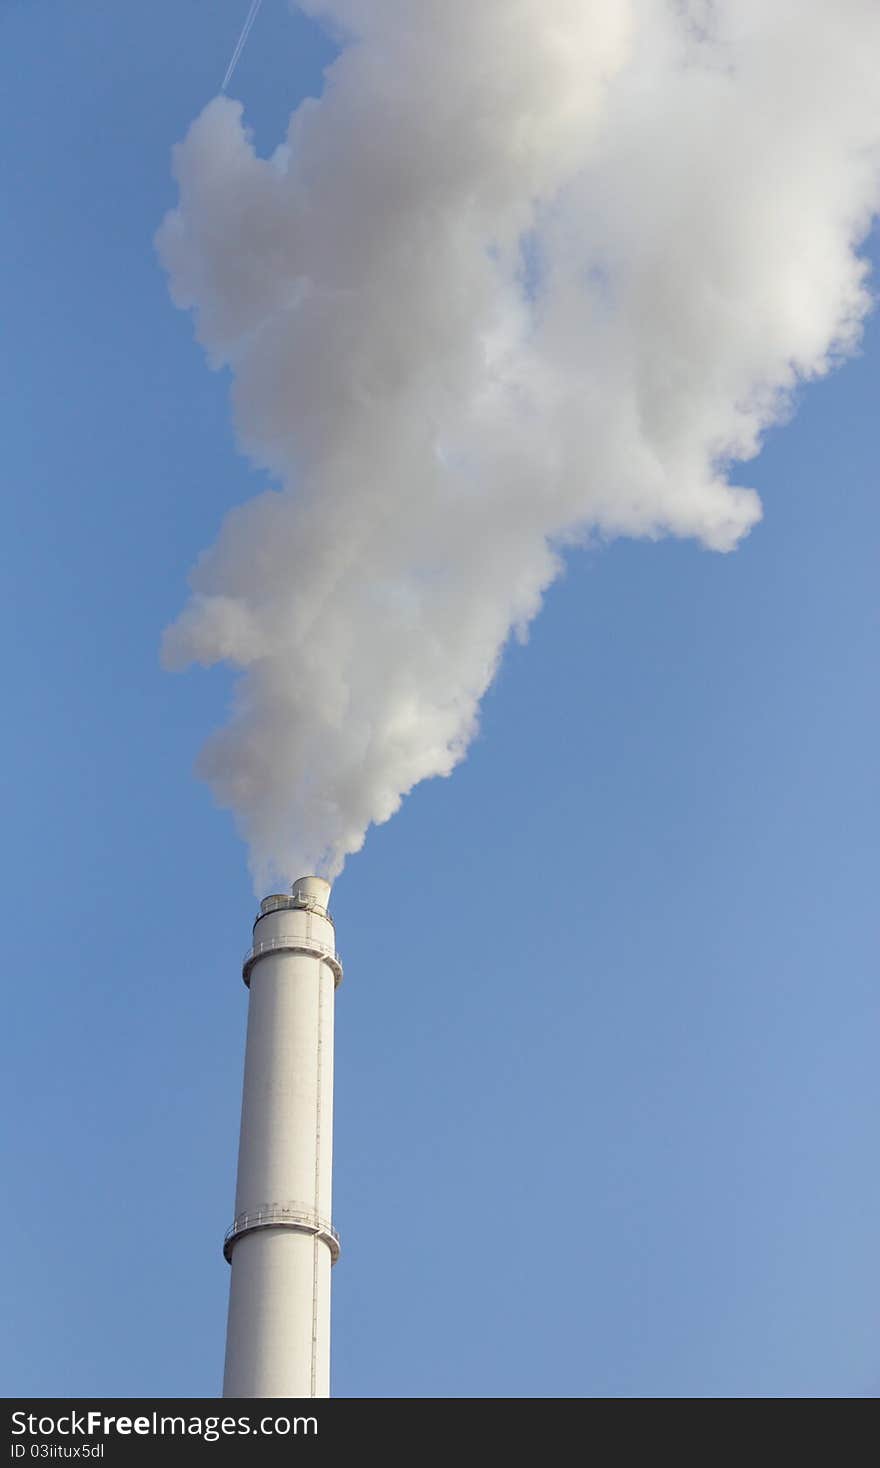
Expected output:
(312, 892)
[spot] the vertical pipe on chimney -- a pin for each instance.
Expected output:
(282, 1244)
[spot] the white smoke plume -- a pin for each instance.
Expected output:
(529, 272)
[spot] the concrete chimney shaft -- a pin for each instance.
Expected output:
(282, 1245)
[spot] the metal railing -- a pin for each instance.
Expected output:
(295, 901)
(294, 1216)
(292, 943)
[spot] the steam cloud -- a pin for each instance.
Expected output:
(529, 271)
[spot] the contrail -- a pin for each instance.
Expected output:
(242, 42)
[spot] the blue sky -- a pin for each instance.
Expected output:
(607, 1091)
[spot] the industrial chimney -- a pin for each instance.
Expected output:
(281, 1245)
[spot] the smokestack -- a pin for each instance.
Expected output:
(281, 1245)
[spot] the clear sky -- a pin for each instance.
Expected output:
(607, 1093)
